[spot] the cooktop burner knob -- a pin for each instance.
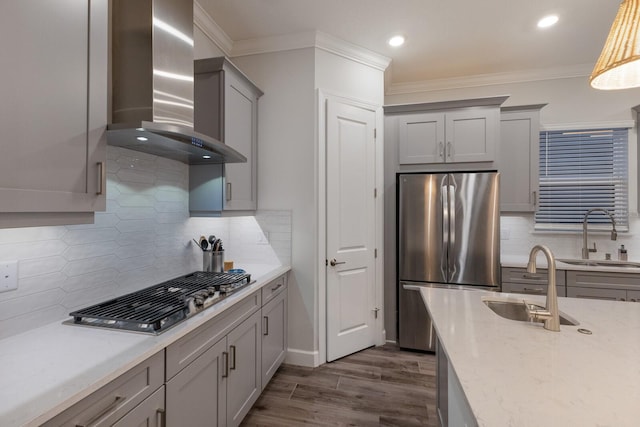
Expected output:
(199, 301)
(211, 290)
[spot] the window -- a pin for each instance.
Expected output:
(581, 170)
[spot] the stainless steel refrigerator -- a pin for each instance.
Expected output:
(448, 236)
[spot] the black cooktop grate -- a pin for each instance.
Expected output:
(155, 307)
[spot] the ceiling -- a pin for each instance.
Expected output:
(445, 38)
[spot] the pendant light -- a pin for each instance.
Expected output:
(619, 64)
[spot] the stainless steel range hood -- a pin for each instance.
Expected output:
(152, 83)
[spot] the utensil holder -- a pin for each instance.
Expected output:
(212, 261)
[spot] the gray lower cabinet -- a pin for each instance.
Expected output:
(603, 285)
(53, 113)
(136, 395)
(519, 281)
(196, 397)
(274, 328)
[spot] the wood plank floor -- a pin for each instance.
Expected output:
(379, 386)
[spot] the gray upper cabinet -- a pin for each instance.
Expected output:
(518, 158)
(447, 132)
(233, 119)
(53, 113)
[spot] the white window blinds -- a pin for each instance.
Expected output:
(581, 170)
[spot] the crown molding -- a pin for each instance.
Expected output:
(208, 26)
(315, 39)
(583, 70)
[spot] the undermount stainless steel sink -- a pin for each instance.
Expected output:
(515, 310)
(600, 263)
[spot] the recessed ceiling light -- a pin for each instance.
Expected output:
(547, 21)
(206, 157)
(142, 138)
(396, 41)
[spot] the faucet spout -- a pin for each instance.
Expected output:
(550, 315)
(614, 234)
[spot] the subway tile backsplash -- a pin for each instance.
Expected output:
(144, 237)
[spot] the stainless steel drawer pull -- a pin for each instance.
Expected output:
(225, 361)
(534, 290)
(266, 325)
(533, 277)
(161, 419)
(228, 191)
(102, 414)
(278, 286)
(232, 350)
(102, 178)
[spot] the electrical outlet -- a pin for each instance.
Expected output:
(262, 238)
(8, 275)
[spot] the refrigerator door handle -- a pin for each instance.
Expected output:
(452, 215)
(445, 229)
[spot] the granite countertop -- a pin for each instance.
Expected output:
(48, 369)
(519, 374)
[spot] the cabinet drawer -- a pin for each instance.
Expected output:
(520, 275)
(274, 288)
(110, 403)
(596, 279)
(532, 288)
(595, 293)
(192, 345)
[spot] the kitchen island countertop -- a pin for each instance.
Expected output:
(519, 374)
(46, 370)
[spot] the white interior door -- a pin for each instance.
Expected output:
(351, 155)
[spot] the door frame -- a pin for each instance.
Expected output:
(322, 96)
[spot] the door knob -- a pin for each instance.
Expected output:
(333, 262)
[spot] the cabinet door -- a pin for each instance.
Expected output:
(274, 335)
(149, 413)
(597, 293)
(421, 138)
(471, 135)
(53, 112)
(241, 133)
(633, 296)
(518, 160)
(243, 385)
(196, 396)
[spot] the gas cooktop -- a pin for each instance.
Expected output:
(157, 308)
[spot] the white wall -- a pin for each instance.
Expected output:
(286, 174)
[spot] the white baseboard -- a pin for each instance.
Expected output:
(310, 359)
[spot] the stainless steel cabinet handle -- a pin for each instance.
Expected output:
(277, 287)
(228, 191)
(232, 351)
(161, 417)
(266, 325)
(441, 150)
(535, 198)
(102, 178)
(533, 276)
(449, 149)
(534, 290)
(225, 361)
(333, 262)
(102, 414)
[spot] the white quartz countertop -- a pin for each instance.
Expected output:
(519, 374)
(46, 370)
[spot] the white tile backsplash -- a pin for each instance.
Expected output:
(143, 238)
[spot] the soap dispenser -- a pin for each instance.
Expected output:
(622, 253)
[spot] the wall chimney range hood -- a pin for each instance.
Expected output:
(152, 83)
